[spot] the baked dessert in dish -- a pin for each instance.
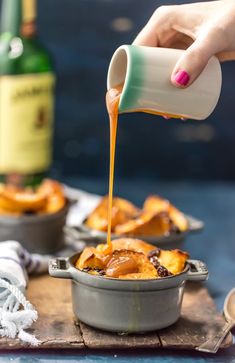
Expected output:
(148, 224)
(131, 259)
(122, 211)
(158, 217)
(156, 204)
(47, 198)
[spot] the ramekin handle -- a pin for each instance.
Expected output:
(198, 271)
(59, 267)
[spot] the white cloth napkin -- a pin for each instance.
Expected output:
(16, 264)
(86, 202)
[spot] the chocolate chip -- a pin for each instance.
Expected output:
(154, 253)
(163, 272)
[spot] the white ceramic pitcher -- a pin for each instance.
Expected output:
(146, 72)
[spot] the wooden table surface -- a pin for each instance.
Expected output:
(56, 328)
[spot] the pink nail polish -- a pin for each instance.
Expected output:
(182, 78)
(166, 117)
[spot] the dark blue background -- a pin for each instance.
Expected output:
(82, 37)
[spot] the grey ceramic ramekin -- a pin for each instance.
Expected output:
(126, 305)
(37, 233)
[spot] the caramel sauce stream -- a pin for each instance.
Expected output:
(112, 103)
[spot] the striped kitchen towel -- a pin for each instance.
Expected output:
(16, 313)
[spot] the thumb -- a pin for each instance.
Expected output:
(193, 61)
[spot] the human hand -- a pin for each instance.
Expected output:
(203, 29)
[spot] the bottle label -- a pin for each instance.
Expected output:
(26, 122)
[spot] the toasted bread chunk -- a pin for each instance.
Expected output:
(156, 204)
(55, 196)
(121, 212)
(90, 258)
(173, 260)
(178, 218)
(147, 224)
(138, 276)
(136, 245)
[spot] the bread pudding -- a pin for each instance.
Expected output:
(47, 198)
(131, 259)
(158, 217)
(122, 211)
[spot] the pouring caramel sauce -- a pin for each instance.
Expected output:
(126, 257)
(112, 103)
(113, 95)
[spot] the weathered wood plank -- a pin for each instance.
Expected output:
(97, 339)
(55, 326)
(199, 321)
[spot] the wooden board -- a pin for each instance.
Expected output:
(97, 339)
(56, 327)
(199, 321)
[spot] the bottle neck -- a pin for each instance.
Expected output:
(11, 16)
(28, 28)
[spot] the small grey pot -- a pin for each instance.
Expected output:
(126, 305)
(37, 233)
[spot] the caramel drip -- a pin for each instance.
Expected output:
(121, 266)
(112, 103)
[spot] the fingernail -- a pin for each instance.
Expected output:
(182, 78)
(166, 117)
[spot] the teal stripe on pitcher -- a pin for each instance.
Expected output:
(134, 80)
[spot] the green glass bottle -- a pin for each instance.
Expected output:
(26, 97)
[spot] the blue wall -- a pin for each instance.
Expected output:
(82, 35)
